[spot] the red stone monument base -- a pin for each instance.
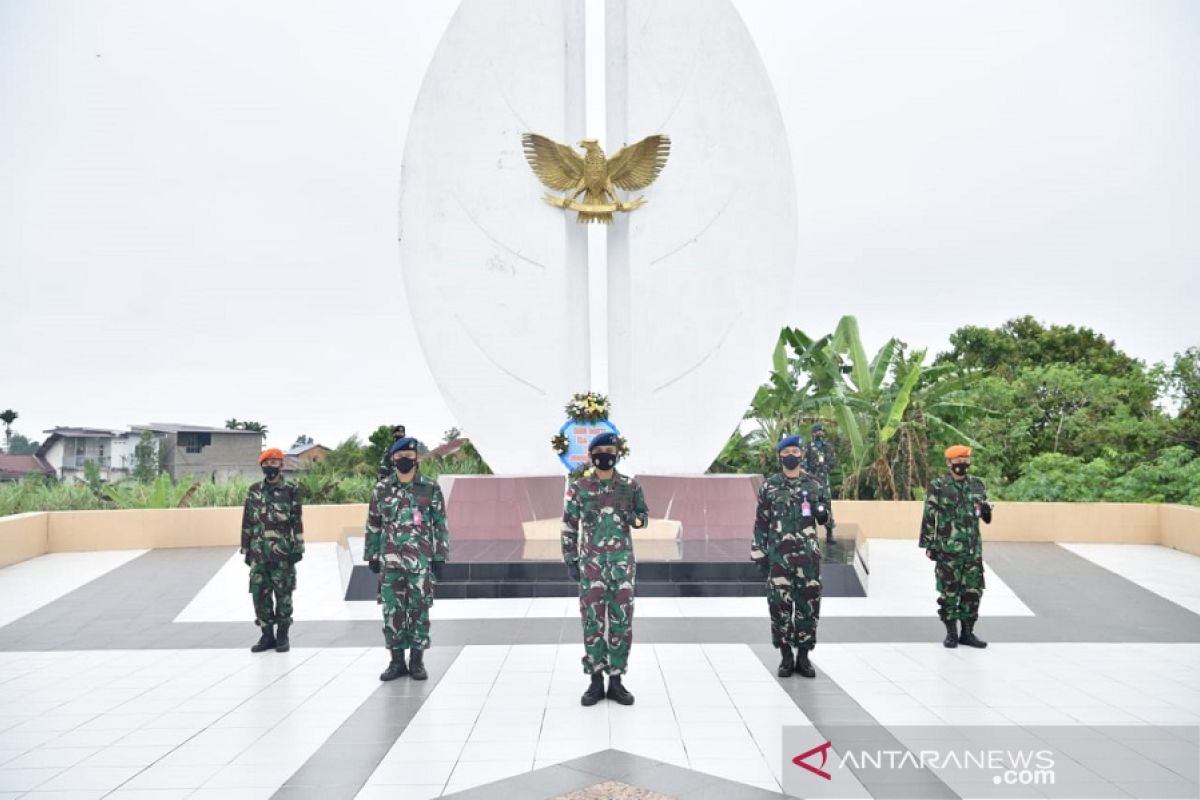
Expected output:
(495, 507)
(707, 506)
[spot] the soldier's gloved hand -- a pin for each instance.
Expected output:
(573, 570)
(439, 567)
(764, 568)
(985, 512)
(638, 522)
(931, 554)
(374, 565)
(294, 558)
(246, 555)
(822, 515)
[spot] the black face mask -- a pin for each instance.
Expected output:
(404, 465)
(271, 473)
(960, 469)
(790, 462)
(604, 461)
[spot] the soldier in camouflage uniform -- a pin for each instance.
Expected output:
(272, 543)
(950, 537)
(791, 504)
(604, 505)
(385, 462)
(407, 542)
(820, 460)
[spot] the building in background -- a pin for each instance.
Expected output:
(198, 451)
(306, 454)
(14, 468)
(66, 450)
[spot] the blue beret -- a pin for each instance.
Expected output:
(407, 443)
(603, 440)
(816, 427)
(789, 441)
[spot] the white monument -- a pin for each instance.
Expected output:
(697, 279)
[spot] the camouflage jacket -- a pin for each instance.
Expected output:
(784, 530)
(406, 524)
(820, 459)
(950, 523)
(604, 510)
(272, 526)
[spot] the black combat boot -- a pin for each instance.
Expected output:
(951, 639)
(282, 645)
(968, 637)
(828, 534)
(266, 641)
(788, 665)
(396, 669)
(416, 665)
(803, 665)
(595, 692)
(618, 692)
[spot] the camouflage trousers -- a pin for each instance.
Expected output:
(824, 481)
(406, 598)
(271, 587)
(959, 587)
(794, 600)
(606, 607)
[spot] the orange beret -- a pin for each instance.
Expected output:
(271, 452)
(958, 451)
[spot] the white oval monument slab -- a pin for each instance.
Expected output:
(698, 278)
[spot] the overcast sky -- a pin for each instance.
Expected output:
(198, 200)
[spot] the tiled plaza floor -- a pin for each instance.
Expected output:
(128, 675)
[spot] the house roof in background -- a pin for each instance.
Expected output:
(449, 448)
(19, 466)
(65, 431)
(176, 427)
(304, 448)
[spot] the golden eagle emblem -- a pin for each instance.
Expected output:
(594, 175)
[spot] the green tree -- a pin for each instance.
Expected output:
(235, 424)
(1057, 477)
(302, 441)
(1182, 386)
(145, 458)
(1068, 410)
(1025, 342)
(349, 457)
(885, 408)
(19, 445)
(378, 443)
(8, 417)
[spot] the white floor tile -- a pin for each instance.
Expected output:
(32, 584)
(127, 756)
(51, 757)
(1168, 573)
(89, 778)
(22, 780)
(412, 773)
(406, 791)
(469, 774)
